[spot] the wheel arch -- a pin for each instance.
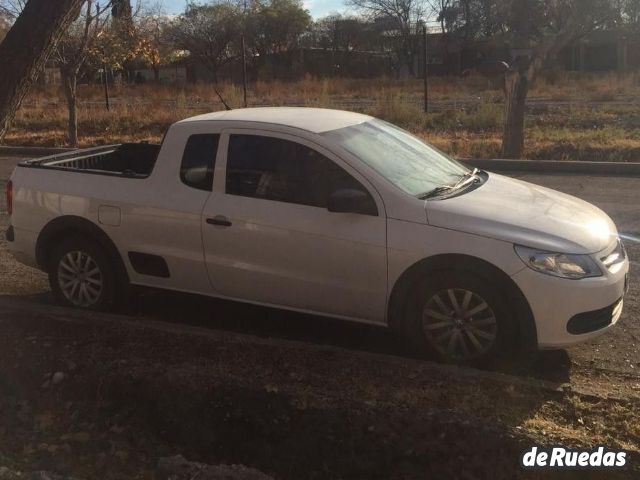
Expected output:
(68, 225)
(518, 303)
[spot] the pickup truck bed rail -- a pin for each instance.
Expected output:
(132, 160)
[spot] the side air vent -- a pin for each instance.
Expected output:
(146, 264)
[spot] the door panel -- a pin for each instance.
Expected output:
(163, 219)
(291, 254)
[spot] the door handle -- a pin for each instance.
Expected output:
(220, 221)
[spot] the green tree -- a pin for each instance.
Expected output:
(276, 25)
(344, 33)
(468, 19)
(209, 33)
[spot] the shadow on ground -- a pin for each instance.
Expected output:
(195, 310)
(290, 410)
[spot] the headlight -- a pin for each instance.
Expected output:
(615, 260)
(559, 264)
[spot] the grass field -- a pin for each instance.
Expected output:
(570, 116)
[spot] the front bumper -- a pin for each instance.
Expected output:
(589, 322)
(556, 302)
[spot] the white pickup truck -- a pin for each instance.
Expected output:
(327, 212)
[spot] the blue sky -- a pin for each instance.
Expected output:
(318, 8)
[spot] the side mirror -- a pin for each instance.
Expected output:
(351, 201)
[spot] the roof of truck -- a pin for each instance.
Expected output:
(315, 120)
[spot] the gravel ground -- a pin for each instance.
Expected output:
(15, 278)
(105, 396)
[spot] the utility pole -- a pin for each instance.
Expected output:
(244, 71)
(244, 57)
(106, 86)
(426, 69)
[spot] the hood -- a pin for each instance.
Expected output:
(525, 214)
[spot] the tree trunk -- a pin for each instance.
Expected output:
(407, 53)
(26, 48)
(516, 87)
(519, 79)
(70, 83)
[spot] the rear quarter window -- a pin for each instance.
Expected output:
(198, 161)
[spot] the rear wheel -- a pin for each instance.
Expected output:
(81, 275)
(459, 317)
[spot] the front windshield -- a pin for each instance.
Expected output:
(403, 159)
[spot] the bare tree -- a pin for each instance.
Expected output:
(446, 13)
(155, 48)
(544, 28)
(630, 10)
(26, 48)
(119, 41)
(5, 24)
(11, 9)
(405, 16)
(122, 9)
(71, 54)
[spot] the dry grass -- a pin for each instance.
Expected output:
(577, 420)
(572, 116)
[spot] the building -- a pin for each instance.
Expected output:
(603, 50)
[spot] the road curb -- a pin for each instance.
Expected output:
(32, 151)
(630, 169)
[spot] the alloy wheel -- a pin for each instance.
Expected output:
(460, 324)
(80, 279)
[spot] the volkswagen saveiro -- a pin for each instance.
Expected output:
(327, 212)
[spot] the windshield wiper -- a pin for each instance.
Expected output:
(466, 179)
(436, 192)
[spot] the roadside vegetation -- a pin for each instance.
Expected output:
(570, 116)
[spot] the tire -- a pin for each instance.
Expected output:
(458, 317)
(82, 275)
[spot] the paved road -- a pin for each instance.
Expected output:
(617, 351)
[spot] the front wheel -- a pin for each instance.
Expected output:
(459, 317)
(81, 275)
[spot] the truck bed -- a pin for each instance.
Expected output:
(128, 160)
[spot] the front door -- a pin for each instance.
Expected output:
(269, 238)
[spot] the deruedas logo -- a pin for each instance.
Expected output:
(559, 457)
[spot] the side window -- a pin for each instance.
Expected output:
(198, 161)
(284, 171)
